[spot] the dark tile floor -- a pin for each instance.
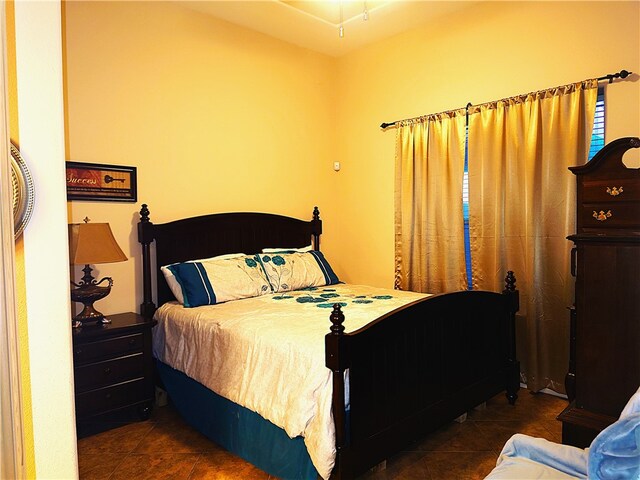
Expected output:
(165, 447)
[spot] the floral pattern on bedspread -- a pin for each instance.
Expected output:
(267, 353)
(327, 298)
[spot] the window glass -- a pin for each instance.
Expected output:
(597, 137)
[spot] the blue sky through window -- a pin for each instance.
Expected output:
(597, 137)
(465, 210)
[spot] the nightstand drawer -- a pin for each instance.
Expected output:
(111, 398)
(90, 351)
(108, 372)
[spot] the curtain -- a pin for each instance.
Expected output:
(522, 207)
(429, 229)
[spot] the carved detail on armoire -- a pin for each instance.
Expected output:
(604, 363)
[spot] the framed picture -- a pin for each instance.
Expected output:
(97, 182)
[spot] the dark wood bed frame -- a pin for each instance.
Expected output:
(410, 371)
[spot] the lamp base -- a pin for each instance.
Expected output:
(88, 315)
(78, 323)
(87, 293)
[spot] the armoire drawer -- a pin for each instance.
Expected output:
(611, 191)
(610, 215)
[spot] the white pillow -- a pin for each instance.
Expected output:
(295, 270)
(175, 287)
(308, 248)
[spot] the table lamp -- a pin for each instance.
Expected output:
(92, 243)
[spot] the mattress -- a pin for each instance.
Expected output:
(267, 353)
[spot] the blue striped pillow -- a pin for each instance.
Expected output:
(208, 282)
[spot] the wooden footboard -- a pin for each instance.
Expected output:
(418, 368)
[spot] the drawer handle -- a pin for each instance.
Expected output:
(107, 370)
(602, 216)
(614, 192)
(107, 396)
(79, 351)
(132, 341)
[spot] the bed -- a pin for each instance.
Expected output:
(390, 380)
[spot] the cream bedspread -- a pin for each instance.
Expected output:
(267, 353)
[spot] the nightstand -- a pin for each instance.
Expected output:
(113, 366)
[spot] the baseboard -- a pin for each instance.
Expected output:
(554, 393)
(548, 391)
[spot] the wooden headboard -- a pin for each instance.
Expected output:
(216, 234)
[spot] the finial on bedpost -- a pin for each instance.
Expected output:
(337, 320)
(145, 227)
(144, 213)
(145, 237)
(510, 282)
(510, 290)
(316, 228)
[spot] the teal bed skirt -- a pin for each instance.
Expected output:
(237, 429)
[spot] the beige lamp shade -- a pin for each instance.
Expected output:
(93, 243)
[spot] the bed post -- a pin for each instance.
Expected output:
(316, 228)
(145, 237)
(337, 360)
(513, 365)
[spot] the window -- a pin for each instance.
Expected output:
(465, 210)
(597, 137)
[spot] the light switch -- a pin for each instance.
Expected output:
(336, 166)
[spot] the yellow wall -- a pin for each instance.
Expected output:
(219, 118)
(214, 117)
(490, 51)
(23, 338)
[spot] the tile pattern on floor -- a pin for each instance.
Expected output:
(165, 447)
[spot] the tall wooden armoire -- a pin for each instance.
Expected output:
(604, 367)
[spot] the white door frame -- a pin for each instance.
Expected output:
(38, 27)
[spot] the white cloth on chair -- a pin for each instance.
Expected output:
(525, 457)
(613, 454)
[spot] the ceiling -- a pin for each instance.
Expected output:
(314, 24)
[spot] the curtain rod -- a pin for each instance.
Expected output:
(610, 77)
